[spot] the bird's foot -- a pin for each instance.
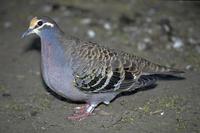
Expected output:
(82, 112)
(81, 109)
(79, 117)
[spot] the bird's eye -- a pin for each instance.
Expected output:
(39, 23)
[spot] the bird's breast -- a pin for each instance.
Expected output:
(55, 70)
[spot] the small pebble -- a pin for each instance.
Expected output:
(7, 24)
(178, 43)
(21, 117)
(43, 128)
(91, 33)
(107, 26)
(148, 20)
(188, 67)
(157, 112)
(86, 21)
(162, 113)
(147, 40)
(140, 108)
(166, 26)
(142, 46)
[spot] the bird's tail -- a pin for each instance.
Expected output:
(159, 69)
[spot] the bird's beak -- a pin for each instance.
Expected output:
(28, 32)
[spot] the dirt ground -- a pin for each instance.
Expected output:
(163, 32)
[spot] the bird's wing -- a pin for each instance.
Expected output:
(102, 70)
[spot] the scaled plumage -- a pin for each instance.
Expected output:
(101, 70)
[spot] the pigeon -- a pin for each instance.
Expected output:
(84, 71)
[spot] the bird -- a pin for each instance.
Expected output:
(85, 71)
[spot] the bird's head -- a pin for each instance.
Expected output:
(37, 25)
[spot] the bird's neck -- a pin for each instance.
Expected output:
(59, 48)
(52, 49)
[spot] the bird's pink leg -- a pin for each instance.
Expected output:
(81, 109)
(82, 112)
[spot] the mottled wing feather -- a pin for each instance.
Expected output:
(100, 70)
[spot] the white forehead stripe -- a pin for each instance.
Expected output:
(48, 24)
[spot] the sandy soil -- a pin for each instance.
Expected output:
(164, 32)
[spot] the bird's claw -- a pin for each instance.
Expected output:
(81, 113)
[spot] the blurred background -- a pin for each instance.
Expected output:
(165, 32)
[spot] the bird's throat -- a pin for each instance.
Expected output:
(52, 51)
